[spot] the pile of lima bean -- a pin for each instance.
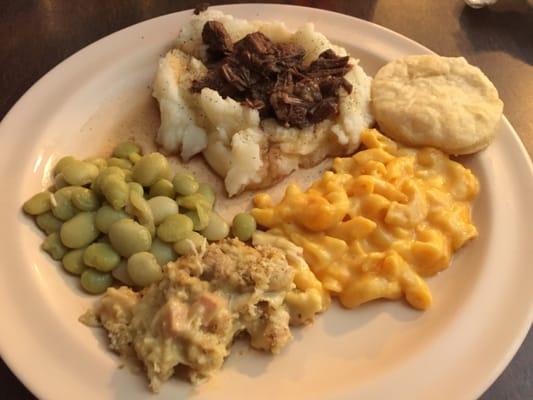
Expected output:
(126, 216)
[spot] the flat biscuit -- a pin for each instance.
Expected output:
(442, 102)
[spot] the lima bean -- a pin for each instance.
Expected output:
(192, 201)
(128, 237)
(192, 243)
(143, 269)
(73, 262)
(163, 252)
(59, 182)
(207, 191)
(135, 187)
(53, 246)
(198, 203)
(100, 163)
(142, 211)
(217, 228)
(85, 199)
(38, 203)
(115, 190)
(124, 149)
(243, 226)
(101, 256)
(174, 227)
(162, 207)
(79, 173)
(163, 187)
(62, 206)
(184, 183)
(198, 223)
(120, 273)
(107, 216)
(128, 175)
(80, 231)
(102, 176)
(150, 168)
(48, 223)
(95, 282)
(134, 158)
(62, 163)
(119, 162)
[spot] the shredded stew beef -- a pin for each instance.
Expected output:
(271, 76)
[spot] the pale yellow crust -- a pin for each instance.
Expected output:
(442, 102)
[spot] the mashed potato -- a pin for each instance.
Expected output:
(248, 152)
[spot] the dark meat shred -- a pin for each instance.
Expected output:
(216, 38)
(200, 8)
(272, 78)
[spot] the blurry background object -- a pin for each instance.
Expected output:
(479, 3)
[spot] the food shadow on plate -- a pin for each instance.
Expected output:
(340, 321)
(505, 26)
(249, 361)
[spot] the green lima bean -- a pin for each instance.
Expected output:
(120, 273)
(162, 207)
(174, 227)
(217, 228)
(119, 162)
(243, 226)
(95, 282)
(59, 182)
(143, 269)
(136, 187)
(115, 190)
(100, 163)
(163, 187)
(53, 246)
(198, 224)
(134, 158)
(48, 223)
(73, 262)
(85, 199)
(101, 256)
(80, 231)
(61, 202)
(207, 191)
(189, 244)
(107, 216)
(163, 252)
(125, 149)
(128, 237)
(38, 204)
(150, 168)
(140, 208)
(62, 163)
(79, 173)
(184, 183)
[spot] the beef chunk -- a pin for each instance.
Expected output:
(323, 109)
(216, 38)
(271, 77)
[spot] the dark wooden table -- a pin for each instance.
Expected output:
(35, 35)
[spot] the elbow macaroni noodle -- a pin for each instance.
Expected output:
(380, 222)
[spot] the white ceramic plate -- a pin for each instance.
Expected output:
(483, 303)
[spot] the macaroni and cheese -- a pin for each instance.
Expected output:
(380, 222)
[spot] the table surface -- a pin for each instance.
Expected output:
(37, 35)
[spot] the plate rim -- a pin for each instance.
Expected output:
(9, 357)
